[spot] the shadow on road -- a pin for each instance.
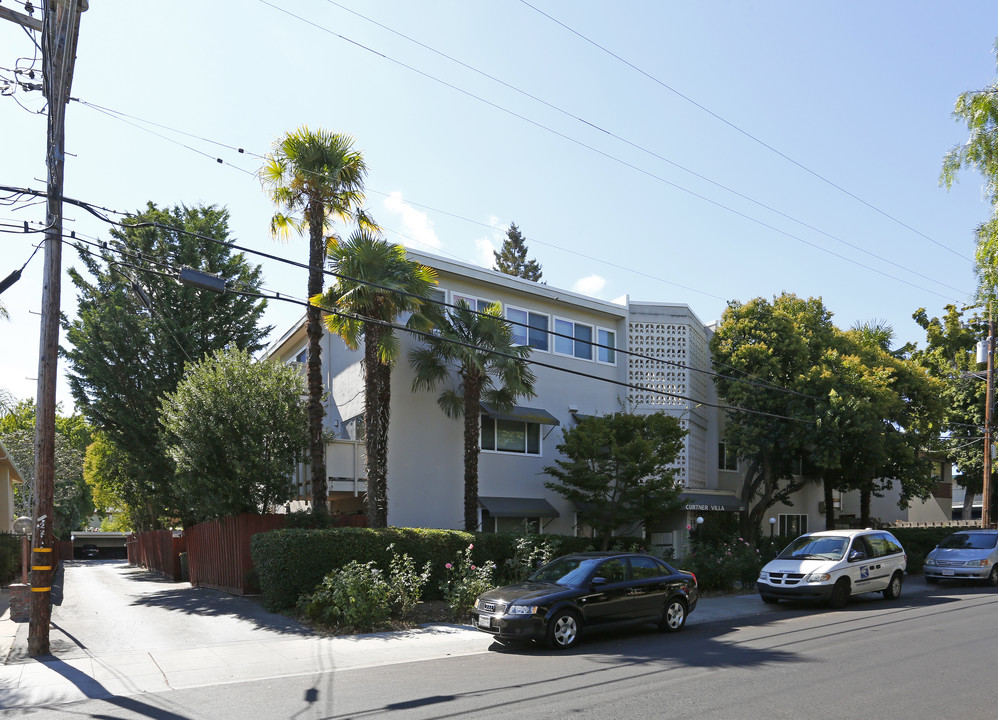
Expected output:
(209, 603)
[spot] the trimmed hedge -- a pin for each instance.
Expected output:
(919, 542)
(293, 561)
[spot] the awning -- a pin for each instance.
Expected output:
(523, 414)
(517, 507)
(706, 502)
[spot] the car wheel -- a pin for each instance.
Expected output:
(770, 600)
(840, 594)
(563, 630)
(893, 589)
(929, 580)
(992, 579)
(674, 616)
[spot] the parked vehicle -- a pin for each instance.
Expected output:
(89, 552)
(833, 565)
(965, 555)
(577, 592)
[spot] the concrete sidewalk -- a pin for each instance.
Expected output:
(73, 672)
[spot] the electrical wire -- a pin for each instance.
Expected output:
(431, 336)
(743, 132)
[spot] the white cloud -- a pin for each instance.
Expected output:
(592, 285)
(484, 249)
(415, 224)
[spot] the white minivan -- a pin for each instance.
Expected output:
(833, 565)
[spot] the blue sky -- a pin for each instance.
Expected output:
(627, 140)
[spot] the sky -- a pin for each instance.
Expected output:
(693, 153)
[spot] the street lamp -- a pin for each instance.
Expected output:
(772, 526)
(699, 528)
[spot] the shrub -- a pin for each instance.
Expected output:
(724, 566)
(356, 597)
(405, 584)
(464, 582)
(530, 551)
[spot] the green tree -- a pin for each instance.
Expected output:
(616, 468)
(950, 357)
(769, 356)
(315, 178)
(477, 352)
(105, 470)
(376, 284)
(73, 505)
(234, 429)
(511, 259)
(877, 422)
(136, 327)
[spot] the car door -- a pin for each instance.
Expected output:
(865, 569)
(649, 586)
(608, 599)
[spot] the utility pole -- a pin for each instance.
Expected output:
(60, 30)
(986, 490)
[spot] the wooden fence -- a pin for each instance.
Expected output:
(157, 550)
(218, 551)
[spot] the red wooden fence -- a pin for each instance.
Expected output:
(157, 550)
(218, 551)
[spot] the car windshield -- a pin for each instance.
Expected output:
(565, 571)
(816, 547)
(967, 541)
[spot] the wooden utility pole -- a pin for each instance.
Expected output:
(990, 396)
(60, 30)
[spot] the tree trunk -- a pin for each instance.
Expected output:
(472, 411)
(829, 504)
(864, 507)
(316, 413)
(377, 410)
(968, 505)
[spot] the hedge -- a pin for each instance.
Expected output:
(919, 542)
(292, 561)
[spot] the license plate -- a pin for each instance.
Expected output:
(484, 621)
(948, 572)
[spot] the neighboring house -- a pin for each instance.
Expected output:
(654, 356)
(9, 474)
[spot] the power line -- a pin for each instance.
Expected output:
(743, 132)
(745, 380)
(648, 151)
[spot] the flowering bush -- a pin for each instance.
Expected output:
(464, 581)
(725, 565)
(529, 553)
(354, 597)
(360, 597)
(405, 584)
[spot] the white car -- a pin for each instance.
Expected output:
(833, 565)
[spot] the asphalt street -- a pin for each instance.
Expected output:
(122, 639)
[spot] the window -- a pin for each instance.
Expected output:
(643, 568)
(613, 570)
(302, 357)
(535, 334)
(793, 525)
(607, 350)
(512, 436)
(726, 460)
(573, 339)
(475, 303)
(510, 524)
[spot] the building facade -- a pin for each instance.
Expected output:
(591, 357)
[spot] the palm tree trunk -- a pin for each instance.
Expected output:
(472, 449)
(377, 399)
(316, 413)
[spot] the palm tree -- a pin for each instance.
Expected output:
(479, 349)
(375, 284)
(314, 178)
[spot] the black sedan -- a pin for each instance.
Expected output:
(557, 601)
